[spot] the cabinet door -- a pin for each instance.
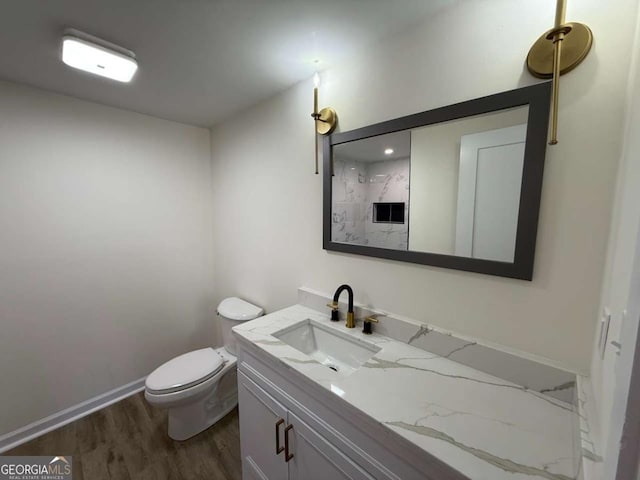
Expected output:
(259, 414)
(314, 458)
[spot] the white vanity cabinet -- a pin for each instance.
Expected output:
(317, 459)
(281, 413)
(266, 426)
(261, 414)
(359, 406)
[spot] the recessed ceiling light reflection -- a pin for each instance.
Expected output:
(388, 151)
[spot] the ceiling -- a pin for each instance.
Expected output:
(199, 60)
(372, 149)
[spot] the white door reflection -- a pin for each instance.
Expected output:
(489, 193)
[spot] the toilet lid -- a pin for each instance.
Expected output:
(235, 308)
(185, 371)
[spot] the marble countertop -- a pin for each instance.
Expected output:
(484, 427)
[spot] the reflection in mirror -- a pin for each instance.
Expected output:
(370, 201)
(451, 188)
(455, 187)
(466, 176)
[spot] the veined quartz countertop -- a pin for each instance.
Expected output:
(482, 426)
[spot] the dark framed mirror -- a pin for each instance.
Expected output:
(456, 187)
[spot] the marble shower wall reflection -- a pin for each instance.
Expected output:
(357, 185)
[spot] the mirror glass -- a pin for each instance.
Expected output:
(454, 187)
(371, 191)
(450, 188)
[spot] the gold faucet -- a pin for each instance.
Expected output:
(351, 321)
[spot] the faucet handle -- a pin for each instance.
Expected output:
(366, 327)
(334, 311)
(372, 318)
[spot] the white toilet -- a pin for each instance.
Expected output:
(200, 387)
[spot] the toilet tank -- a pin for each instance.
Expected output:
(233, 311)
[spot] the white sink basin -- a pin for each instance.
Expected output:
(338, 351)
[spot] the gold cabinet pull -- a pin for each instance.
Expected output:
(287, 456)
(279, 449)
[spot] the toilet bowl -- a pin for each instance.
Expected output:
(200, 387)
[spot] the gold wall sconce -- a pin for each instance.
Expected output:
(557, 52)
(325, 120)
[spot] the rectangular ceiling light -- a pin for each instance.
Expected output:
(103, 58)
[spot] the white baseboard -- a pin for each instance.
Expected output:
(71, 414)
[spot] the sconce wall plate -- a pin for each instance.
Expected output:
(575, 47)
(558, 51)
(327, 120)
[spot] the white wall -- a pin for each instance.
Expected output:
(269, 200)
(623, 243)
(105, 257)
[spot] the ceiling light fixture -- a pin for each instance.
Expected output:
(91, 54)
(388, 151)
(325, 120)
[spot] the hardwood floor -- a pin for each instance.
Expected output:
(128, 440)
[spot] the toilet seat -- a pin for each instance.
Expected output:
(185, 371)
(188, 395)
